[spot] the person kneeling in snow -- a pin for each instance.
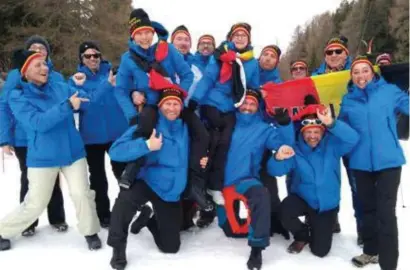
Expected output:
(161, 180)
(251, 137)
(315, 187)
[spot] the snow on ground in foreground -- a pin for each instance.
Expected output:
(201, 249)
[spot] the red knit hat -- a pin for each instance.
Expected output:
(207, 37)
(308, 117)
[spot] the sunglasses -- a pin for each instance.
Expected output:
(298, 69)
(307, 122)
(95, 56)
(331, 52)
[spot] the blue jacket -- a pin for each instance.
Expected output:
(201, 61)
(372, 113)
(101, 122)
(131, 77)
(47, 118)
(272, 75)
(322, 68)
(250, 139)
(11, 131)
(316, 172)
(165, 170)
(210, 91)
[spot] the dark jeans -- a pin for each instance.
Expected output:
(378, 194)
(220, 126)
(55, 208)
(320, 234)
(98, 178)
(164, 225)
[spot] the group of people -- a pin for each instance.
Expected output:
(190, 132)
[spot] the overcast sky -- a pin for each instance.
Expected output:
(272, 21)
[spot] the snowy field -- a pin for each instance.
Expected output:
(201, 249)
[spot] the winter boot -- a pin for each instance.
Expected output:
(29, 232)
(60, 227)
(130, 173)
(364, 259)
(336, 225)
(141, 221)
(206, 218)
(93, 242)
(4, 244)
(196, 191)
(296, 247)
(119, 259)
(255, 259)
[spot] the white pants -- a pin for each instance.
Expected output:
(40, 187)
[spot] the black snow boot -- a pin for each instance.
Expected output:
(206, 218)
(296, 247)
(255, 259)
(4, 244)
(93, 242)
(141, 221)
(119, 259)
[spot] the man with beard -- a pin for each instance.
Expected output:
(268, 63)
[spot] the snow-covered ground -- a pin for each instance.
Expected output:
(201, 249)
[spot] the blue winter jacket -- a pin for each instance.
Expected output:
(272, 75)
(322, 68)
(210, 91)
(372, 113)
(201, 61)
(47, 117)
(11, 131)
(101, 122)
(316, 171)
(165, 170)
(250, 139)
(130, 77)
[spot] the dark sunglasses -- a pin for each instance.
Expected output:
(298, 69)
(95, 56)
(331, 52)
(311, 122)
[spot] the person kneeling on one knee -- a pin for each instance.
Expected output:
(315, 188)
(45, 109)
(161, 180)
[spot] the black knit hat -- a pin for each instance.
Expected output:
(254, 94)
(37, 39)
(341, 42)
(172, 92)
(85, 46)
(275, 49)
(21, 59)
(139, 19)
(240, 26)
(180, 29)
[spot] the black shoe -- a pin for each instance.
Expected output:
(130, 173)
(4, 244)
(195, 191)
(105, 223)
(206, 218)
(141, 220)
(119, 259)
(29, 232)
(255, 259)
(296, 247)
(93, 242)
(60, 227)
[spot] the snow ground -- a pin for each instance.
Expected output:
(201, 249)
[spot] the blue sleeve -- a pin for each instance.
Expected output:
(343, 139)
(6, 115)
(93, 96)
(254, 82)
(287, 133)
(31, 118)
(279, 167)
(186, 76)
(207, 81)
(126, 149)
(401, 100)
(276, 137)
(124, 85)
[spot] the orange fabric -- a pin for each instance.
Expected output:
(230, 196)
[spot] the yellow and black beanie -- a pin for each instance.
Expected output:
(139, 21)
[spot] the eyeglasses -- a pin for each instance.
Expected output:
(298, 69)
(331, 52)
(95, 56)
(206, 44)
(306, 122)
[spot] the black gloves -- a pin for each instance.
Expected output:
(282, 116)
